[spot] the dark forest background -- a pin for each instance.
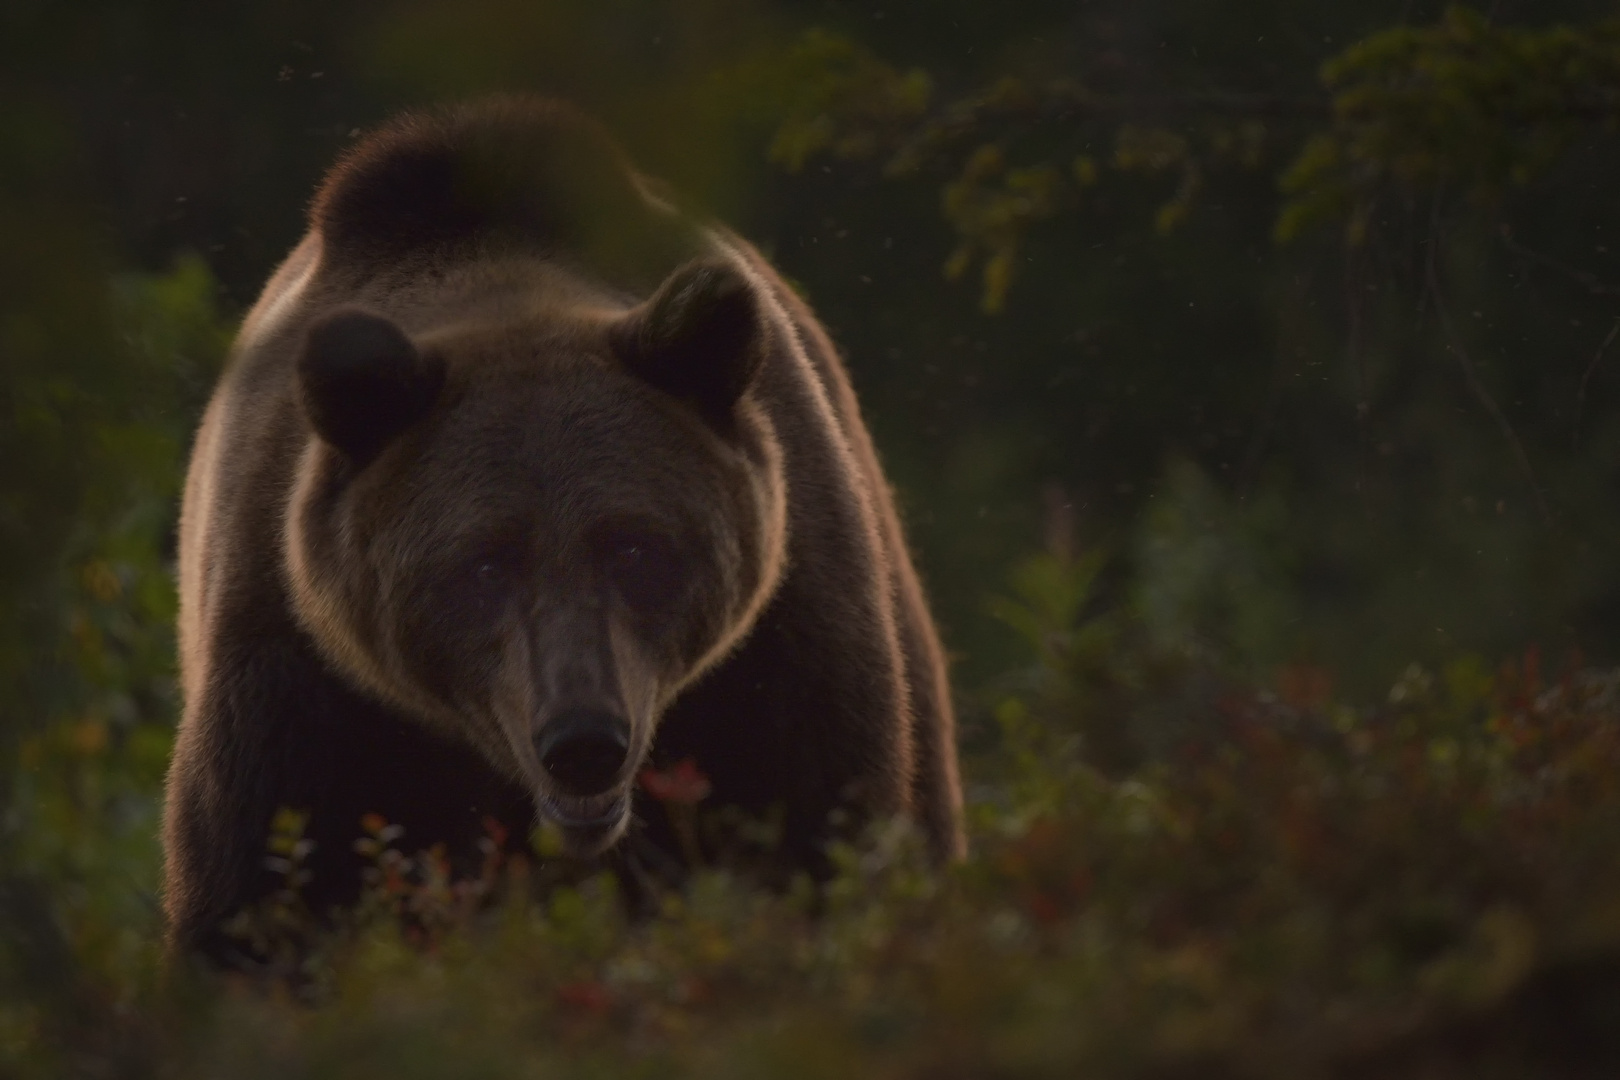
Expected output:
(1257, 351)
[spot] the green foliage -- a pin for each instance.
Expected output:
(1308, 888)
(836, 98)
(80, 844)
(845, 103)
(85, 802)
(1307, 376)
(1200, 602)
(991, 207)
(1062, 710)
(1464, 105)
(1213, 573)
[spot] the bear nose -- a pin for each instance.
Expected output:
(583, 749)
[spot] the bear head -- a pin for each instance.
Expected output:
(531, 524)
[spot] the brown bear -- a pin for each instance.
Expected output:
(519, 481)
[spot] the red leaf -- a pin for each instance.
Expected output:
(496, 831)
(683, 783)
(587, 995)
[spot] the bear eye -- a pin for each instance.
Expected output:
(643, 566)
(493, 572)
(490, 572)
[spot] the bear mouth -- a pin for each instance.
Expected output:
(589, 825)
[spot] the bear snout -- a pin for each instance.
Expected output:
(583, 750)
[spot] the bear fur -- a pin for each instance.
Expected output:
(518, 482)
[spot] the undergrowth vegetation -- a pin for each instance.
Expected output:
(1286, 885)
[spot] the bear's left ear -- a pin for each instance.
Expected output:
(699, 338)
(362, 381)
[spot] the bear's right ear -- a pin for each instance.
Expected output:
(362, 382)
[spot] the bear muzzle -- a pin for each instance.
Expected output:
(583, 750)
(585, 756)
